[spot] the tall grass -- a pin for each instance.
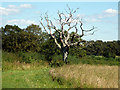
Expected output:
(87, 76)
(23, 66)
(22, 60)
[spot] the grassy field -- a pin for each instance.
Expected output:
(38, 75)
(30, 70)
(29, 77)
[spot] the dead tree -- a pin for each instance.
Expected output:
(66, 22)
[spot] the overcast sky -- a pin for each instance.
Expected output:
(103, 15)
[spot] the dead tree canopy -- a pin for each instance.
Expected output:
(67, 22)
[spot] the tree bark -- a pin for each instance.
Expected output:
(65, 51)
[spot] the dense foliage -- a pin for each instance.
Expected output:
(106, 49)
(15, 39)
(32, 39)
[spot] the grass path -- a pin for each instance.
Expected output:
(29, 79)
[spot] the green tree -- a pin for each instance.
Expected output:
(10, 35)
(15, 39)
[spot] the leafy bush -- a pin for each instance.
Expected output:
(57, 61)
(73, 59)
(77, 51)
(10, 57)
(99, 60)
(109, 55)
(49, 49)
(29, 57)
(98, 57)
(117, 58)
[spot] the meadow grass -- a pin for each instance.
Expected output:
(30, 70)
(38, 75)
(87, 76)
(32, 76)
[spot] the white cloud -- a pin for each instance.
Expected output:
(26, 6)
(7, 11)
(20, 22)
(13, 9)
(111, 11)
(108, 13)
(99, 17)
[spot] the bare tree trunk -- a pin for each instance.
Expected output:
(65, 53)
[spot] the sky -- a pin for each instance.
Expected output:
(103, 15)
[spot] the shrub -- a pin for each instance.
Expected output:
(73, 59)
(77, 51)
(10, 57)
(117, 58)
(98, 57)
(29, 57)
(57, 61)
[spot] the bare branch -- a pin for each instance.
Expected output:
(75, 10)
(72, 26)
(53, 26)
(82, 30)
(43, 27)
(64, 16)
(50, 26)
(92, 32)
(60, 17)
(76, 29)
(61, 39)
(67, 38)
(67, 21)
(57, 43)
(90, 29)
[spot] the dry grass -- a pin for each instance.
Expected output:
(88, 75)
(23, 66)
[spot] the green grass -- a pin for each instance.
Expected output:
(38, 75)
(39, 78)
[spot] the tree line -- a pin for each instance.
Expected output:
(32, 39)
